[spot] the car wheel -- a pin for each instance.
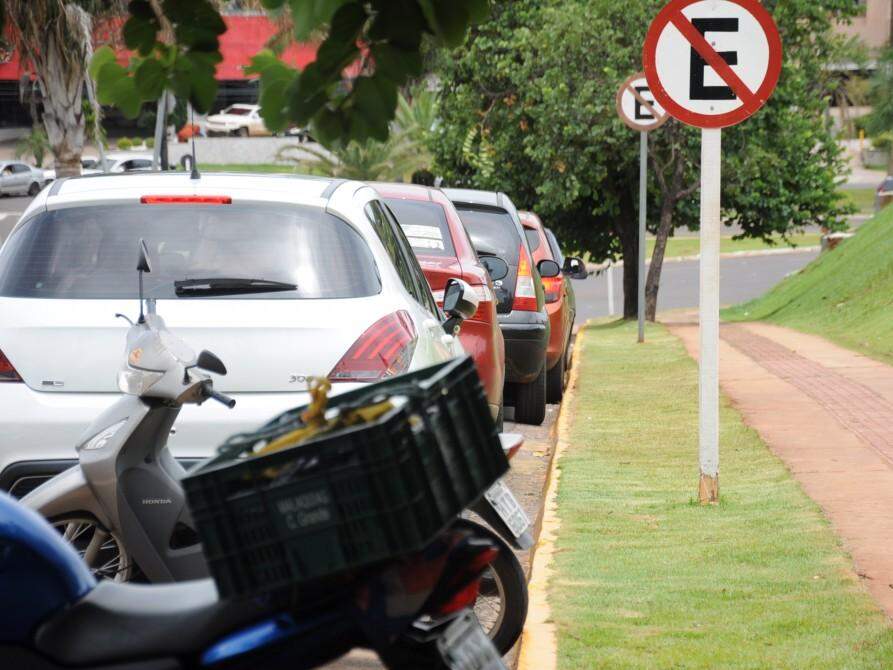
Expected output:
(242, 132)
(555, 382)
(34, 189)
(530, 400)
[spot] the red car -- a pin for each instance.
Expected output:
(561, 304)
(444, 250)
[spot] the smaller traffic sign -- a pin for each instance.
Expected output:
(637, 107)
(712, 63)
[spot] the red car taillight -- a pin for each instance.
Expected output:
(7, 372)
(525, 291)
(385, 349)
(552, 288)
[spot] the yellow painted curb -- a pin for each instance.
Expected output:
(539, 648)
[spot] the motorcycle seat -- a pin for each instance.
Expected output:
(116, 622)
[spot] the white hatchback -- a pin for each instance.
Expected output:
(361, 311)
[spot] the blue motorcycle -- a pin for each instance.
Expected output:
(412, 611)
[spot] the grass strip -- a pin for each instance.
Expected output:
(647, 578)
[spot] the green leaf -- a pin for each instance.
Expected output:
(396, 64)
(126, 97)
(375, 99)
(150, 78)
(448, 20)
(107, 79)
(139, 34)
(308, 15)
(101, 56)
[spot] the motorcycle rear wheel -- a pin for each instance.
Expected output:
(98, 547)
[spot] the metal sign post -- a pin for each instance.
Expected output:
(638, 110)
(711, 64)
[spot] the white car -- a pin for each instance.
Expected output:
(242, 120)
(117, 162)
(16, 178)
(362, 309)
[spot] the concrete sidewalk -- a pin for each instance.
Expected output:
(828, 414)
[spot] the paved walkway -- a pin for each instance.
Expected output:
(828, 414)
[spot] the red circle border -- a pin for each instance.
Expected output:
(649, 51)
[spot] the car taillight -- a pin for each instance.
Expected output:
(485, 295)
(385, 349)
(7, 372)
(552, 288)
(186, 200)
(525, 291)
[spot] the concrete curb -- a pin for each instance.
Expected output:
(598, 267)
(539, 644)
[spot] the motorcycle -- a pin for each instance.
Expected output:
(123, 506)
(412, 612)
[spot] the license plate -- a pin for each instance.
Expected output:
(465, 646)
(506, 505)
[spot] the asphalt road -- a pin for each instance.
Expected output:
(741, 278)
(10, 211)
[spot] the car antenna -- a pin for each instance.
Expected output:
(195, 174)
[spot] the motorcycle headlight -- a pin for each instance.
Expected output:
(102, 438)
(137, 382)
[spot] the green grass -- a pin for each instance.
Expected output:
(646, 578)
(690, 246)
(845, 296)
(862, 198)
(244, 167)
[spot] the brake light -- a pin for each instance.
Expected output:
(552, 288)
(385, 349)
(7, 372)
(186, 200)
(467, 595)
(525, 291)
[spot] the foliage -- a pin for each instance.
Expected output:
(844, 295)
(404, 152)
(124, 143)
(35, 144)
(177, 45)
(642, 578)
(883, 141)
(149, 142)
(881, 95)
(528, 107)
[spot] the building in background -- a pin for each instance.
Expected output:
(872, 27)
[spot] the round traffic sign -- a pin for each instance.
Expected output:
(712, 63)
(637, 107)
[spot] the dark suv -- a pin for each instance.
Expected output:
(492, 221)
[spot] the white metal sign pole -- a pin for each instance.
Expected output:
(643, 202)
(711, 154)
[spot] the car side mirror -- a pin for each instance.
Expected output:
(460, 302)
(496, 267)
(548, 268)
(575, 268)
(210, 363)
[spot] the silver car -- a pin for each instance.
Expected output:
(20, 179)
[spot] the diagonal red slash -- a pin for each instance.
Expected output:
(713, 59)
(647, 105)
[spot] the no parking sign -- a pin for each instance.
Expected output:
(711, 64)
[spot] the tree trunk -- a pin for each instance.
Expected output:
(629, 241)
(652, 284)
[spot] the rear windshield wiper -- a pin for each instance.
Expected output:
(228, 286)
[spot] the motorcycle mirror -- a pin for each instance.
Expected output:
(143, 263)
(210, 363)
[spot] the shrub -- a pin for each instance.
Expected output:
(150, 142)
(124, 143)
(882, 141)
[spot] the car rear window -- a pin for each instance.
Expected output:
(425, 226)
(557, 256)
(91, 252)
(533, 238)
(492, 230)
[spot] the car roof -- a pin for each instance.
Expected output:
(474, 197)
(530, 220)
(242, 105)
(109, 187)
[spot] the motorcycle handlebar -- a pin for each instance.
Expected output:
(219, 397)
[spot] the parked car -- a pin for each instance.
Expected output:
(443, 249)
(362, 309)
(561, 303)
(19, 179)
(492, 221)
(117, 162)
(884, 194)
(241, 120)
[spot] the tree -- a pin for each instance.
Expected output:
(528, 107)
(33, 144)
(177, 48)
(55, 38)
(881, 98)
